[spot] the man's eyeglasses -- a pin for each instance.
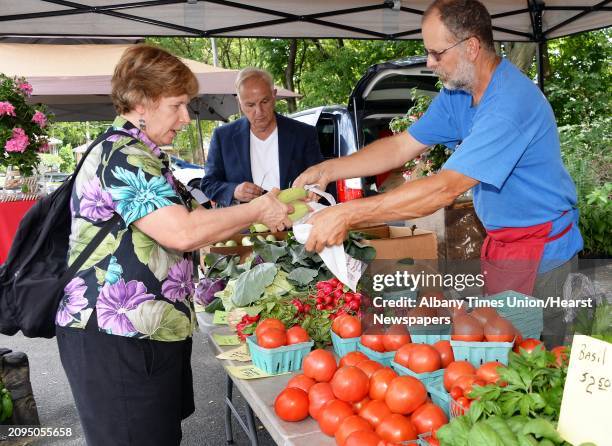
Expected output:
(437, 55)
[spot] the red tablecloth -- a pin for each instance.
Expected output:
(11, 214)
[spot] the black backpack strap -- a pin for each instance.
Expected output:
(102, 137)
(89, 249)
(103, 232)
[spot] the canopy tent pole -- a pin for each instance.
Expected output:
(196, 112)
(536, 7)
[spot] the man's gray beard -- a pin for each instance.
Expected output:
(463, 78)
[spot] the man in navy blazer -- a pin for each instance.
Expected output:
(259, 151)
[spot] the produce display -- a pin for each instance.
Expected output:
(432, 391)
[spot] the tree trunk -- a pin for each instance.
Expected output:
(521, 54)
(289, 73)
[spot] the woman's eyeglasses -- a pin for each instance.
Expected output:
(437, 55)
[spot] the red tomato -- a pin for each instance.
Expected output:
(499, 329)
(332, 415)
(456, 392)
(484, 314)
(319, 365)
(349, 327)
(561, 355)
(405, 394)
(467, 328)
(375, 411)
(297, 334)
(353, 358)
(359, 404)
(291, 404)
(456, 369)
(373, 341)
(403, 354)
(301, 381)
(351, 424)
(428, 418)
(350, 384)
(272, 338)
(396, 337)
(363, 438)
(379, 382)
(318, 395)
(268, 323)
(336, 324)
(529, 345)
(465, 383)
(446, 352)
(488, 372)
(369, 367)
(463, 403)
(396, 428)
(424, 359)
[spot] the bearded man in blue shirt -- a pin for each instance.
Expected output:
(505, 144)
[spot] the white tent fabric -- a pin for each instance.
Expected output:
(74, 80)
(514, 20)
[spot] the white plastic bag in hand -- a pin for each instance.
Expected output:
(347, 269)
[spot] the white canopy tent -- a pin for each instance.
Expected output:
(74, 80)
(513, 20)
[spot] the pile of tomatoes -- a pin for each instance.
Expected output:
(332, 295)
(359, 401)
(483, 324)
(271, 333)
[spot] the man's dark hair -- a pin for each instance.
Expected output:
(464, 18)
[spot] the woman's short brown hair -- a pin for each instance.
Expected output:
(145, 73)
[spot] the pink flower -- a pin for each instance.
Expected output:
(40, 119)
(18, 142)
(25, 88)
(6, 108)
(44, 147)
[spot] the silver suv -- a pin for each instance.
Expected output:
(383, 93)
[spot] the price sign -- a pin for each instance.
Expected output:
(220, 318)
(240, 354)
(226, 339)
(587, 396)
(248, 372)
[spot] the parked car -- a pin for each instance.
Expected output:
(50, 181)
(190, 175)
(383, 93)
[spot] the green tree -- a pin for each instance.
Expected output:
(580, 77)
(67, 159)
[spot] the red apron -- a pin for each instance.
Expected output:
(510, 257)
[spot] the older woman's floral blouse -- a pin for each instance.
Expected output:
(137, 287)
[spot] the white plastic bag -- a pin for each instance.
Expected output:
(347, 269)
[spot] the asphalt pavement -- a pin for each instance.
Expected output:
(56, 406)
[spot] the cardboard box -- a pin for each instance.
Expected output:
(399, 242)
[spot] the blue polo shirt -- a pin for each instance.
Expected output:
(510, 144)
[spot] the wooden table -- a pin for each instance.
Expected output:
(259, 395)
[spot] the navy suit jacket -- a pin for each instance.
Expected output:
(229, 156)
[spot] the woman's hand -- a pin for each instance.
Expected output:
(272, 212)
